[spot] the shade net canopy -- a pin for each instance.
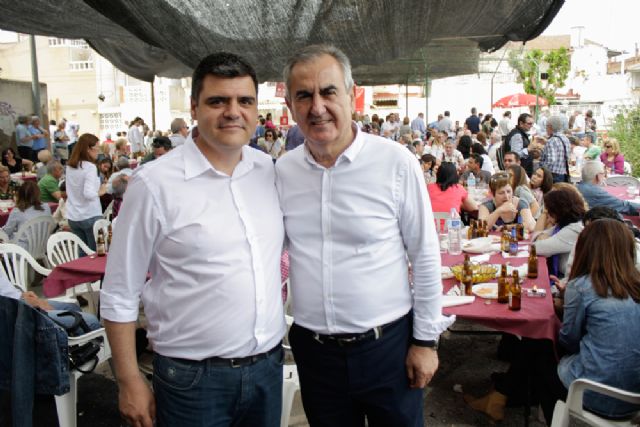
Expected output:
(387, 41)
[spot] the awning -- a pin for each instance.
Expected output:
(388, 41)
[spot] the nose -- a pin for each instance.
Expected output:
(232, 111)
(317, 105)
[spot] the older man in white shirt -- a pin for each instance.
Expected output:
(179, 132)
(355, 206)
(204, 222)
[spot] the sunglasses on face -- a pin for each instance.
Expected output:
(608, 146)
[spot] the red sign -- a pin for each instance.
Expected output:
(280, 89)
(359, 100)
(284, 120)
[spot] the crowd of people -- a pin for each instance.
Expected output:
(352, 199)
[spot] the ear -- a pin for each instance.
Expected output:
(291, 110)
(194, 104)
(352, 95)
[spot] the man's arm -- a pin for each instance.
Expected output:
(135, 400)
(517, 144)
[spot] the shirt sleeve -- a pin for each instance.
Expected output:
(12, 223)
(419, 235)
(559, 243)
(91, 181)
(140, 225)
(574, 317)
(516, 143)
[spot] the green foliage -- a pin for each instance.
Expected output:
(626, 129)
(558, 63)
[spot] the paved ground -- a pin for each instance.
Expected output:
(464, 360)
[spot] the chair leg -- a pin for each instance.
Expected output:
(66, 405)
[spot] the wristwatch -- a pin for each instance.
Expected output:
(425, 343)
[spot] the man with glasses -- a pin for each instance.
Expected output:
(517, 142)
(179, 132)
(555, 154)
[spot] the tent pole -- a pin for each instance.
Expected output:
(35, 83)
(153, 106)
(406, 99)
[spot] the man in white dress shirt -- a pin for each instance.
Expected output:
(354, 206)
(136, 138)
(204, 222)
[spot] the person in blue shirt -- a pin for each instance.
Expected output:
(40, 138)
(591, 188)
(473, 121)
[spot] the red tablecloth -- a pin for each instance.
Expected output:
(536, 319)
(4, 216)
(72, 273)
(621, 193)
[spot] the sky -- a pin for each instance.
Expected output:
(612, 23)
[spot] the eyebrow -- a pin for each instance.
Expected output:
(227, 98)
(323, 91)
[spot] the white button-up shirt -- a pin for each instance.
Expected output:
(136, 139)
(212, 245)
(83, 185)
(350, 228)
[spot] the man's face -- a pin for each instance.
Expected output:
(159, 151)
(57, 173)
(509, 160)
(184, 130)
(320, 103)
(472, 165)
(448, 148)
(226, 111)
(4, 178)
(526, 125)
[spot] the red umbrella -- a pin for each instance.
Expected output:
(519, 100)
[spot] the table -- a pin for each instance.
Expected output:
(82, 270)
(4, 216)
(621, 193)
(536, 319)
(29, 176)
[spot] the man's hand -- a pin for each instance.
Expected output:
(32, 299)
(137, 403)
(422, 364)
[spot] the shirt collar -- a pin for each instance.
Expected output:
(195, 163)
(349, 154)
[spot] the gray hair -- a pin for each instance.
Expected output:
(23, 120)
(35, 118)
(52, 166)
(177, 124)
(119, 185)
(556, 123)
(314, 51)
(590, 170)
(122, 163)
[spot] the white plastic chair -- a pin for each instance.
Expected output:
(108, 212)
(36, 232)
(623, 181)
(290, 386)
(66, 404)
(573, 407)
(100, 224)
(4, 238)
(627, 168)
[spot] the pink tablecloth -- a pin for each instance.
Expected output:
(621, 193)
(536, 319)
(72, 273)
(4, 216)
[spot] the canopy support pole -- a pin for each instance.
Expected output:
(35, 82)
(493, 76)
(406, 98)
(153, 106)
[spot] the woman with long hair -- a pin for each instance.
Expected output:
(84, 189)
(28, 206)
(521, 188)
(505, 208)
(612, 158)
(540, 184)
(13, 162)
(446, 193)
(602, 316)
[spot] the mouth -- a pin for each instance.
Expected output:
(320, 122)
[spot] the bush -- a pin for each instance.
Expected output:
(626, 129)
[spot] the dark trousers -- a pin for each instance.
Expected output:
(343, 384)
(25, 153)
(559, 177)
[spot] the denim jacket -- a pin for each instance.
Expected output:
(604, 336)
(33, 357)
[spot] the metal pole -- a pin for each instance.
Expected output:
(35, 82)
(537, 89)
(153, 107)
(406, 99)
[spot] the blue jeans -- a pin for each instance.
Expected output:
(84, 230)
(67, 321)
(203, 393)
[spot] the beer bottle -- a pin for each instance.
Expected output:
(520, 229)
(532, 265)
(515, 292)
(100, 249)
(109, 236)
(513, 243)
(504, 241)
(503, 285)
(467, 282)
(471, 230)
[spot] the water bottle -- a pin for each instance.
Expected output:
(454, 225)
(471, 182)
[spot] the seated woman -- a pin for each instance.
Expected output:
(540, 184)
(602, 316)
(28, 206)
(504, 209)
(612, 158)
(7, 186)
(521, 188)
(561, 221)
(429, 168)
(13, 162)
(446, 193)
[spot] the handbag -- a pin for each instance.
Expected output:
(81, 354)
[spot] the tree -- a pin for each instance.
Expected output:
(558, 63)
(625, 127)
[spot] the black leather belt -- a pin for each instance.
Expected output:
(350, 339)
(238, 362)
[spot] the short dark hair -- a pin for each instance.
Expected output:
(426, 158)
(478, 148)
(477, 157)
(600, 212)
(447, 175)
(514, 154)
(447, 113)
(221, 64)
(161, 141)
(565, 205)
(522, 118)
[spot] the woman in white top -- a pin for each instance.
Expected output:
(84, 189)
(28, 206)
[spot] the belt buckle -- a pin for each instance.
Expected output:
(347, 341)
(235, 363)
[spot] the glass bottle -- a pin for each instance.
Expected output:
(515, 292)
(100, 248)
(503, 286)
(504, 241)
(467, 282)
(532, 264)
(513, 243)
(471, 231)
